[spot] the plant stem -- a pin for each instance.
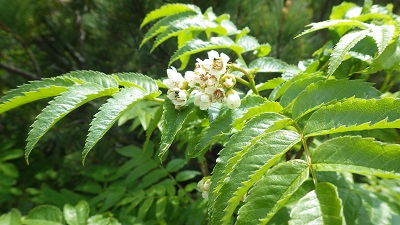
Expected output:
(384, 86)
(160, 100)
(250, 77)
(308, 158)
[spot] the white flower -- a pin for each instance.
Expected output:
(190, 77)
(218, 95)
(202, 100)
(204, 186)
(216, 63)
(232, 99)
(175, 79)
(178, 97)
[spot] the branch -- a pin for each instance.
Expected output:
(26, 74)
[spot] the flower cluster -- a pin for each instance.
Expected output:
(207, 83)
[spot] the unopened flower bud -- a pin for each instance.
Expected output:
(228, 81)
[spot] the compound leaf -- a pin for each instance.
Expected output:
(168, 10)
(109, 114)
(272, 191)
(254, 162)
(60, 107)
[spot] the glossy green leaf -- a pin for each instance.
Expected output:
(281, 89)
(354, 114)
(163, 24)
(269, 65)
(358, 155)
(198, 45)
(254, 162)
(168, 10)
(321, 206)
(171, 122)
(60, 107)
(197, 23)
(331, 24)
(87, 76)
(103, 220)
(33, 91)
(77, 215)
(248, 43)
(11, 218)
(272, 191)
(252, 131)
(342, 48)
(373, 210)
(44, 215)
(382, 35)
(296, 88)
(222, 123)
(270, 84)
(389, 59)
(109, 114)
(320, 93)
(265, 107)
(137, 80)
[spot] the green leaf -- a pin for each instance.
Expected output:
(354, 114)
(144, 208)
(44, 215)
(321, 206)
(272, 191)
(222, 124)
(270, 84)
(60, 107)
(87, 76)
(248, 43)
(171, 122)
(175, 165)
(254, 162)
(331, 24)
(198, 45)
(186, 175)
(373, 210)
(11, 218)
(197, 23)
(109, 114)
(77, 215)
(103, 220)
(281, 89)
(389, 59)
(355, 154)
(163, 24)
(168, 10)
(161, 205)
(344, 45)
(138, 80)
(252, 131)
(269, 65)
(34, 91)
(324, 92)
(296, 88)
(183, 38)
(382, 35)
(265, 107)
